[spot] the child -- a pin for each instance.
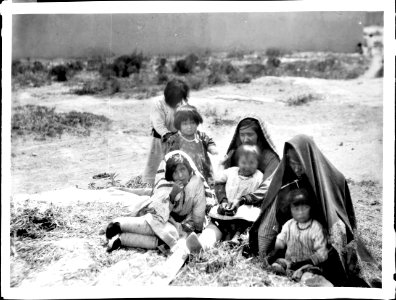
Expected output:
(176, 208)
(162, 116)
(195, 143)
(239, 181)
(302, 237)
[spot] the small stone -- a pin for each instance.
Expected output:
(341, 144)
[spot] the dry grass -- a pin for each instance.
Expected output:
(76, 235)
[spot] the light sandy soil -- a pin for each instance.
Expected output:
(345, 121)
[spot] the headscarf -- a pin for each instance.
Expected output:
(161, 183)
(264, 141)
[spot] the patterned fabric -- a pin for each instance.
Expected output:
(305, 244)
(209, 193)
(197, 149)
(267, 165)
(188, 206)
(237, 185)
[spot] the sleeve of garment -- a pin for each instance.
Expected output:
(272, 163)
(206, 140)
(222, 178)
(158, 118)
(319, 244)
(257, 197)
(196, 217)
(284, 234)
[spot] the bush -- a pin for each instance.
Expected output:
(300, 99)
(186, 65)
(196, 82)
(43, 121)
(59, 72)
(254, 70)
(239, 77)
(125, 65)
(274, 52)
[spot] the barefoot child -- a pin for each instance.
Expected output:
(176, 208)
(239, 181)
(162, 117)
(302, 237)
(195, 143)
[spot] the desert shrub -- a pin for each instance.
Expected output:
(275, 52)
(300, 99)
(236, 53)
(76, 65)
(216, 78)
(37, 67)
(107, 71)
(186, 65)
(272, 62)
(254, 70)
(45, 122)
(28, 78)
(125, 65)
(239, 77)
(59, 72)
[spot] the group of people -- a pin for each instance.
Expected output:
(297, 210)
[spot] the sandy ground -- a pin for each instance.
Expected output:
(345, 120)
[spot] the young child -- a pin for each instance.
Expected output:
(195, 143)
(162, 117)
(176, 208)
(302, 237)
(239, 181)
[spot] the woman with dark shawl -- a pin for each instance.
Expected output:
(250, 130)
(304, 166)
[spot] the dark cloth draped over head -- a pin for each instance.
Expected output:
(264, 142)
(326, 182)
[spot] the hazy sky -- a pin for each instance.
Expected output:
(86, 34)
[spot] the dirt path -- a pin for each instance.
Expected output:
(345, 120)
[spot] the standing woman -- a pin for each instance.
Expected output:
(162, 117)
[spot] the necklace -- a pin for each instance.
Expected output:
(195, 139)
(308, 226)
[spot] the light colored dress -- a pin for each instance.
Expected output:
(306, 242)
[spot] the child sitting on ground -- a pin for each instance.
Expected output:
(303, 239)
(239, 181)
(195, 143)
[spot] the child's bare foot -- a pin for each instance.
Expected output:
(277, 269)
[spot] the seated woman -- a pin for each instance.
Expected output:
(249, 131)
(176, 208)
(304, 166)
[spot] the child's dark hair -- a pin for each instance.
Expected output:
(187, 112)
(175, 92)
(171, 165)
(245, 150)
(299, 196)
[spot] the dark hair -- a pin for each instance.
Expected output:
(175, 92)
(171, 165)
(299, 196)
(245, 150)
(187, 112)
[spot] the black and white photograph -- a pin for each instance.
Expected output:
(148, 147)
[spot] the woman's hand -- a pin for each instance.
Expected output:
(221, 208)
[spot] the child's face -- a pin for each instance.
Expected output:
(188, 127)
(247, 165)
(301, 212)
(181, 174)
